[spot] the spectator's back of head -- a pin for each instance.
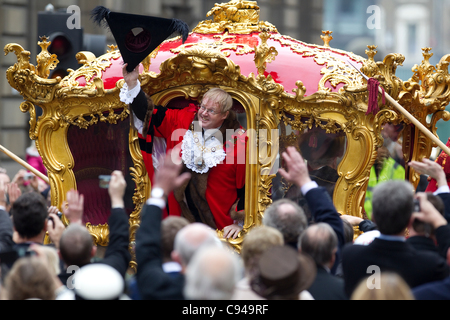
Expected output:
(30, 279)
(169, 229)
(287, 217)
(422, 228)
(320, 242)
(29, 213)
(393, 203)
(189, 239)
(76, 246)
(391, 287)
(257, 241)
(349, 232)
(212, 274)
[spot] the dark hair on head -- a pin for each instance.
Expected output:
(29, 214)
(169, 229)
(291, 223)
(76, 246)
(426, 228)
(319, 241)
(349, 232)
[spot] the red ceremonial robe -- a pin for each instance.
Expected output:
(225, 181)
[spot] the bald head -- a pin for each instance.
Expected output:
(5, 178)
(320, 242)
(189, 239)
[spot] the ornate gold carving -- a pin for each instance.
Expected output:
(220, 45)
(45, 60)
(237, 17)
(90, 70)
(264, 54)
(100, 234)
(85, 57)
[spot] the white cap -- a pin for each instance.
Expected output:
(367, 238)
(98, 281)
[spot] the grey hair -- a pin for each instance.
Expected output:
(291, 224)
(392, 206)
(319, 241)
(212, 274)
(190, 238)
(220, 97)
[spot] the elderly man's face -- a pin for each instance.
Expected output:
(210, 116)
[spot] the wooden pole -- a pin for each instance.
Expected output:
(23, 163)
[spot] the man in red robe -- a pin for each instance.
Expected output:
(212, 149)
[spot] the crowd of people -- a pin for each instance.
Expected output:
(405, 255)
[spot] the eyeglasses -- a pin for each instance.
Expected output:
(209, 111)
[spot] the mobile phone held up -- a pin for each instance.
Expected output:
(416, 205)
(104, 181)
(28, 176)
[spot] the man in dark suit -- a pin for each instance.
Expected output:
(318, 199)
(152, 281)
(320, 242)
(393, 212)
(437, 290)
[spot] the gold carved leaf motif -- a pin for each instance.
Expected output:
(237, 16)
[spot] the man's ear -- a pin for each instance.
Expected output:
(93, 251)
(175, 256)
(225, 115)
(448, 256)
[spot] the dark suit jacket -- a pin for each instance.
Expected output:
(439, 290)
(117, 254)
(446, 199)
(414, 266)
(323, 210)
(6, 232)
(327, 286)
(153, 282)
(421, 243)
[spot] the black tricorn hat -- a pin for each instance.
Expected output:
(137, 36)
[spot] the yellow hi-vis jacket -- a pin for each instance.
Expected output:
(392, 170)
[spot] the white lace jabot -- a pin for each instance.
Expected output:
(199, 155)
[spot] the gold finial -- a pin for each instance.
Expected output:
(370, 67)
(45, 60)
(327, 37)
(112, 48)
(371, 52)
(427, 54)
